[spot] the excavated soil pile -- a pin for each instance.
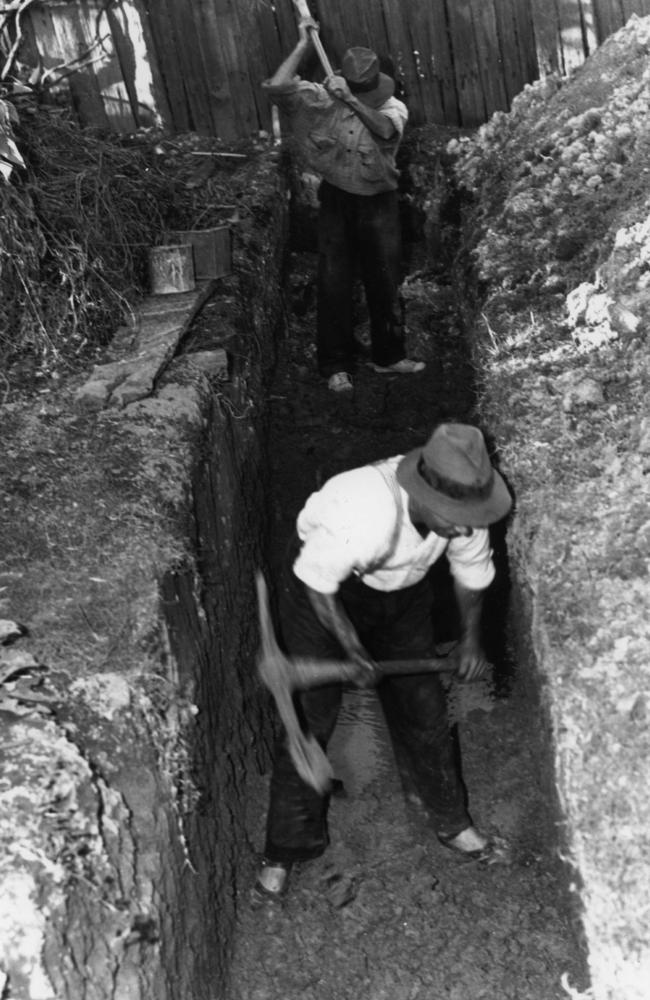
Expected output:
(559, 231)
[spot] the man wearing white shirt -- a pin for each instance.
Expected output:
(348, 130)
(356, 586)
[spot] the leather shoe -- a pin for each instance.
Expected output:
(495, 850)
(272, 879)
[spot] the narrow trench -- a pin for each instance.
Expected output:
(387, 913)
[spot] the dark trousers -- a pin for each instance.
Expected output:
(358, 233)
(394, 625)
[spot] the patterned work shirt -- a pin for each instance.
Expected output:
(334, 142)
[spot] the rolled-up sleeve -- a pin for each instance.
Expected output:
(295, 93)
(470, 560)
(397, 112)
(324, 562)
(344, 528)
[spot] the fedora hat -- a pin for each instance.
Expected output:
(360, 67)
(452, 475)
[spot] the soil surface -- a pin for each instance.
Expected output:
(387, 912)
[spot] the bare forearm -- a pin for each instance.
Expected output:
(331, 614)
(472, 663)
(470, 609)
(288, 69)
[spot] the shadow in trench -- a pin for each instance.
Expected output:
(401, 918)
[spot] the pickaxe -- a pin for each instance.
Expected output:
(303, 10)
(282, 676)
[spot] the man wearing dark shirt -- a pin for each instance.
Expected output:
(348, 132)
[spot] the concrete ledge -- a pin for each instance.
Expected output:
(160, 324)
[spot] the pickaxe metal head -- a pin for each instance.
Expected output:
(274, 670)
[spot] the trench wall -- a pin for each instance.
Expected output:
(129, 785)
(577, 546)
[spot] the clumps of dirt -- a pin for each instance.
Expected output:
(560, 187)
(45, 780)
(556, 205)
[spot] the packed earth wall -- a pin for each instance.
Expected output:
(135, 726)
(555, 226)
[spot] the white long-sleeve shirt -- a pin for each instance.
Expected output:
(358, 522)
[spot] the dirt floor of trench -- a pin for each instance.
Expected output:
(387, 912)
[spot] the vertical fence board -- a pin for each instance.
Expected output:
(571, 37)
(343, 26)
(218, 42)
(72, 44)
(488, 55)
(160, 25)
(441, 68)
(284, 38)
(181, 65)
(286, 20)
(609, 17)
(269, 58)
(60, 40)
(416, 50)
(526, 35)
(353, 25)
(546, 27)
(407, 40)
(38, 21)
(96, 38)
(125, 40)
(400, 49)
(374, 32)
(156, 103)
(191, 55)
(137, 62)
(589, 26)
(517, 45)
(225, 56)
(509, 47)
(631, 7)
(333, 33)
(270, 41)
(471, 100)
(426, 103)
(253, 27)
(459, 60)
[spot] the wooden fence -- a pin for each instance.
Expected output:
(197, 65)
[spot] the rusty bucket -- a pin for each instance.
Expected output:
(210, 248)
(171, 269)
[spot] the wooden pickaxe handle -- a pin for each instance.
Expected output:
(307, 755)
(301, 673)
(282, 676)
(303, 10)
